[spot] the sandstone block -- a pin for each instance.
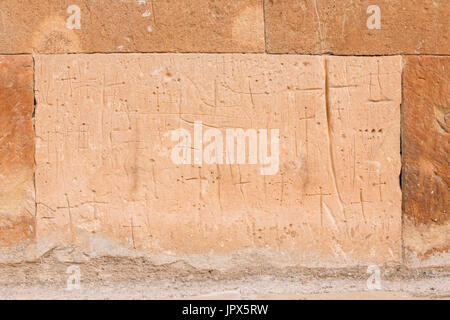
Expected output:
(358, 27)
(293, 157)
(49, 26)
(426, 154)
(17, 207)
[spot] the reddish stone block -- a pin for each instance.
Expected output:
(17, 207)
(426, 154)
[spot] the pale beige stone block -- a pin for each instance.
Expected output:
(104, 155)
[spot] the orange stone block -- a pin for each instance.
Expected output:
(364, 27)
(17, 207)
(426, 154)
(72, 26)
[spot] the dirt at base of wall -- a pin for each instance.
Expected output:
(139, 278)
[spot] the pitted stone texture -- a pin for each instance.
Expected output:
(104, 148)
(426, 147)
(341, 27)
(49, 26)
(17, 207)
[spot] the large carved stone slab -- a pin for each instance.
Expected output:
(74, 26)
(17, 207)
(426, 149)
(138, 149)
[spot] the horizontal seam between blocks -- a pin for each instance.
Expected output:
(237, 53)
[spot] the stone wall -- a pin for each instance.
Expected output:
(221, 133)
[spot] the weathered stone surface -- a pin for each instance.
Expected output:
(17, 207)
(426, 154)
(342, 27)
(105, 156)
(49, 26)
